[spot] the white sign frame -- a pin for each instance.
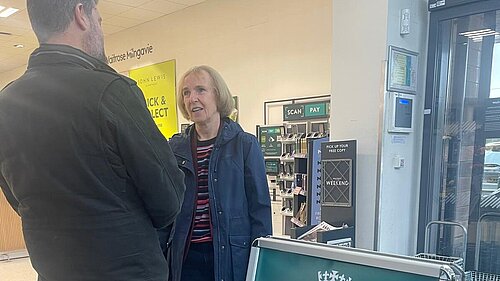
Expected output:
(402, 70)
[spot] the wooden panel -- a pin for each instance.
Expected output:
(11, 236)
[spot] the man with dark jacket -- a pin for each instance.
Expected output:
(81, 159)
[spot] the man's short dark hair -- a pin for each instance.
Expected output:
(49, 17)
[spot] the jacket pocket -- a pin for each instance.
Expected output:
(93, 254)
(240, 252)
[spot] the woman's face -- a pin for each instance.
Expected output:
(200, 99)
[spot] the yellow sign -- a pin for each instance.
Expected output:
(157, 82)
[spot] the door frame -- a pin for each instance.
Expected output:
(427, 163)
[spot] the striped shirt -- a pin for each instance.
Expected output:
(202, 229)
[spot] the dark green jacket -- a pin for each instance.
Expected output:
(83, 163)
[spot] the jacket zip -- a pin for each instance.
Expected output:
(213, 162)
(190, 168)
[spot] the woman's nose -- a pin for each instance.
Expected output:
(193, 98)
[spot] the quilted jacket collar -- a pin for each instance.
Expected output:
(181, 144)
(55, 54)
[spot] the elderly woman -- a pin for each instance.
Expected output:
(226, 204)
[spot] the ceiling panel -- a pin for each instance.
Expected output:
(10, 38)
(18, 4)
(18, 20)
(131, 3)
(163, 6)
(13, 62)
(3, 55)
(111, 9)
(117, 15)
(4, 67)
(110, 29)
(122, 21)
(141, 14)
(187, 2)
(14, 30)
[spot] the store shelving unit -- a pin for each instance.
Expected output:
(302, 120)
(293, 174)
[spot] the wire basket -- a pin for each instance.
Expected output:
(481, 276)
(457, 261)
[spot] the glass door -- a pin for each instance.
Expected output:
(461, 154)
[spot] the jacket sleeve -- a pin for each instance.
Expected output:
(130, 133)
(257, 190)
(8, 194)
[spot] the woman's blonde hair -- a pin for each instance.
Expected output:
(225, 103)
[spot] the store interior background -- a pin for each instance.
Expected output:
(275, 49)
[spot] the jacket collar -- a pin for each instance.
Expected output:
(181, 143)
(229, 130)
(54, 54)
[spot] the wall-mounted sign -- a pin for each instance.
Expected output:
(304, 111)
(157, 82)
(132, 53)
(402, 73)
(269, 139)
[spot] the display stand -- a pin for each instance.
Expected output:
(295, 179)
(301, 124)
(292, 260)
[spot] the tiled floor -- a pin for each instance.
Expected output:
(21, 270)
(17, 270)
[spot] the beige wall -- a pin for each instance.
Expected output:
(265, 49)
(11, 237)
(386, 198)
(359, 48)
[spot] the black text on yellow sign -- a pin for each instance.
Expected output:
(157, 106)
(157, 83)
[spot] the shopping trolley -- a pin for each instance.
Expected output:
(456, 263)
(476, 275)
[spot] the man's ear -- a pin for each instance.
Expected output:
(81, 18)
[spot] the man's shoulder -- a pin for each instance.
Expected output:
(13, 86)
(8, 84)
(110, 76)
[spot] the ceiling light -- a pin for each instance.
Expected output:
(8, 12)
(475, 32)
(477, 35)
(18, 46)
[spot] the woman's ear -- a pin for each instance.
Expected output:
(81, 18)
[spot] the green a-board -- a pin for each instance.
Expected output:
(277, 265)
(278, 259)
